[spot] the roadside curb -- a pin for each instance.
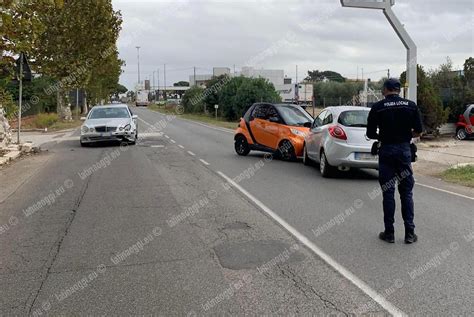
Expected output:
(13, 152)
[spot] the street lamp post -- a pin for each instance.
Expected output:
(386, 6)
(138, 59)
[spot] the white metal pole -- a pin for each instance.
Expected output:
(20, 100)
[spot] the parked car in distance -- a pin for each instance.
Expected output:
(109, 123)
(275, 128)
(465, 125)
(337, 140)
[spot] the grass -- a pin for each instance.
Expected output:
(460, 175)
(50, 121)
(219, 122)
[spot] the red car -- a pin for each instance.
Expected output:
(465, 125)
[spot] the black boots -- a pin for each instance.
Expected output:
(410, 237)
(387, 236)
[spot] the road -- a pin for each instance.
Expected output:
(157, 228)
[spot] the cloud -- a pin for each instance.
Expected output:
(316, 35)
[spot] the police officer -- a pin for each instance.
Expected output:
(398, 121)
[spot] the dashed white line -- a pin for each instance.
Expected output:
(191, 153)
(167, 136)
(158, 146)
(392, 309)
(173, 141)
(204, 162)
(180, 146)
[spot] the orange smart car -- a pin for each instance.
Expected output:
(275, 128)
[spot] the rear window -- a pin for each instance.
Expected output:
(354, 118)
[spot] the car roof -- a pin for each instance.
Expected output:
(112, 105)
(339, 109)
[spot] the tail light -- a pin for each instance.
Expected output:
(337, 132)
(462, 119)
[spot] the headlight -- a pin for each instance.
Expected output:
(298, 132)
(84, 129)
(91, 129)
(128, 127)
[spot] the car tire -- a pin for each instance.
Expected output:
(241, 146)
(325, 168)
(286, 151)
(461, 134)
(306, 160)
(84, 144)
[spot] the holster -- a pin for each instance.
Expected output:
(413, 149)
(375, 148)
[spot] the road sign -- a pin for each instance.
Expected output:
(22, 66)
(216, 106)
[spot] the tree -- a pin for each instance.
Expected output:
(239, 93)
(317, 76)
(449, 86)
(335, 93)
(77, 44)
(181, 84)
(193, 100)
(429, 102)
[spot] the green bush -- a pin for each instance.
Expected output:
(45, 120)
(193, 100)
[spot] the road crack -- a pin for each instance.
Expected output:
(307, 289)
(57, 246)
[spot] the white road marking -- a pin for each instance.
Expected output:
(173, 141)
(191, 153)
(392, 309)
(204, 162)
(445, 191)
(160, 146)
(167, 136)
(180, 146)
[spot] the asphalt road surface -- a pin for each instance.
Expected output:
(180, 225)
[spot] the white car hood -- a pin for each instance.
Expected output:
(108, 122)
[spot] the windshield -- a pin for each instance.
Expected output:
(294, 115)
(354, 118)
(109, 113)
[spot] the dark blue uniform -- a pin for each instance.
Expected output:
(397, 119)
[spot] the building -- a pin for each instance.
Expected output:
(288, 91)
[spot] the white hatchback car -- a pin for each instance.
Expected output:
(109, 123)
(337, 139)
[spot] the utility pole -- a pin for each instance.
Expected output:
(388, 73)
(20, 100)
(154, 89)
(194, 76)
(165, 97)
(138, 59)
(158, 83)
(362, 73)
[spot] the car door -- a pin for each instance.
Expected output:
(313, 141)
(272, 127)
(259, 124)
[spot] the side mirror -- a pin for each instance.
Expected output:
(134, 116)
(83, 118)
(308, 124)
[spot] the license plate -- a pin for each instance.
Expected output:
(365, 157)
(107, 134)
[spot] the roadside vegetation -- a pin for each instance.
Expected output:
(49, 121)
(46, 31)
(460, 175)
(200, 117)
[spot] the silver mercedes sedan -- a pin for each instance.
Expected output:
(109, 123)
(337, 140)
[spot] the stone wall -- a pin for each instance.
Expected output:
(5, 130)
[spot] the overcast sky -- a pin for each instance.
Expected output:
(278, 34)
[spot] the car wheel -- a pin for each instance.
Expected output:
(84, 144)
(461, 134)
(241, 146)
(287, 151)
(306, 160)
(326, 169)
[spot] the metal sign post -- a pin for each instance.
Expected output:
(216, 107)
(386, 6)
(20, 99)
